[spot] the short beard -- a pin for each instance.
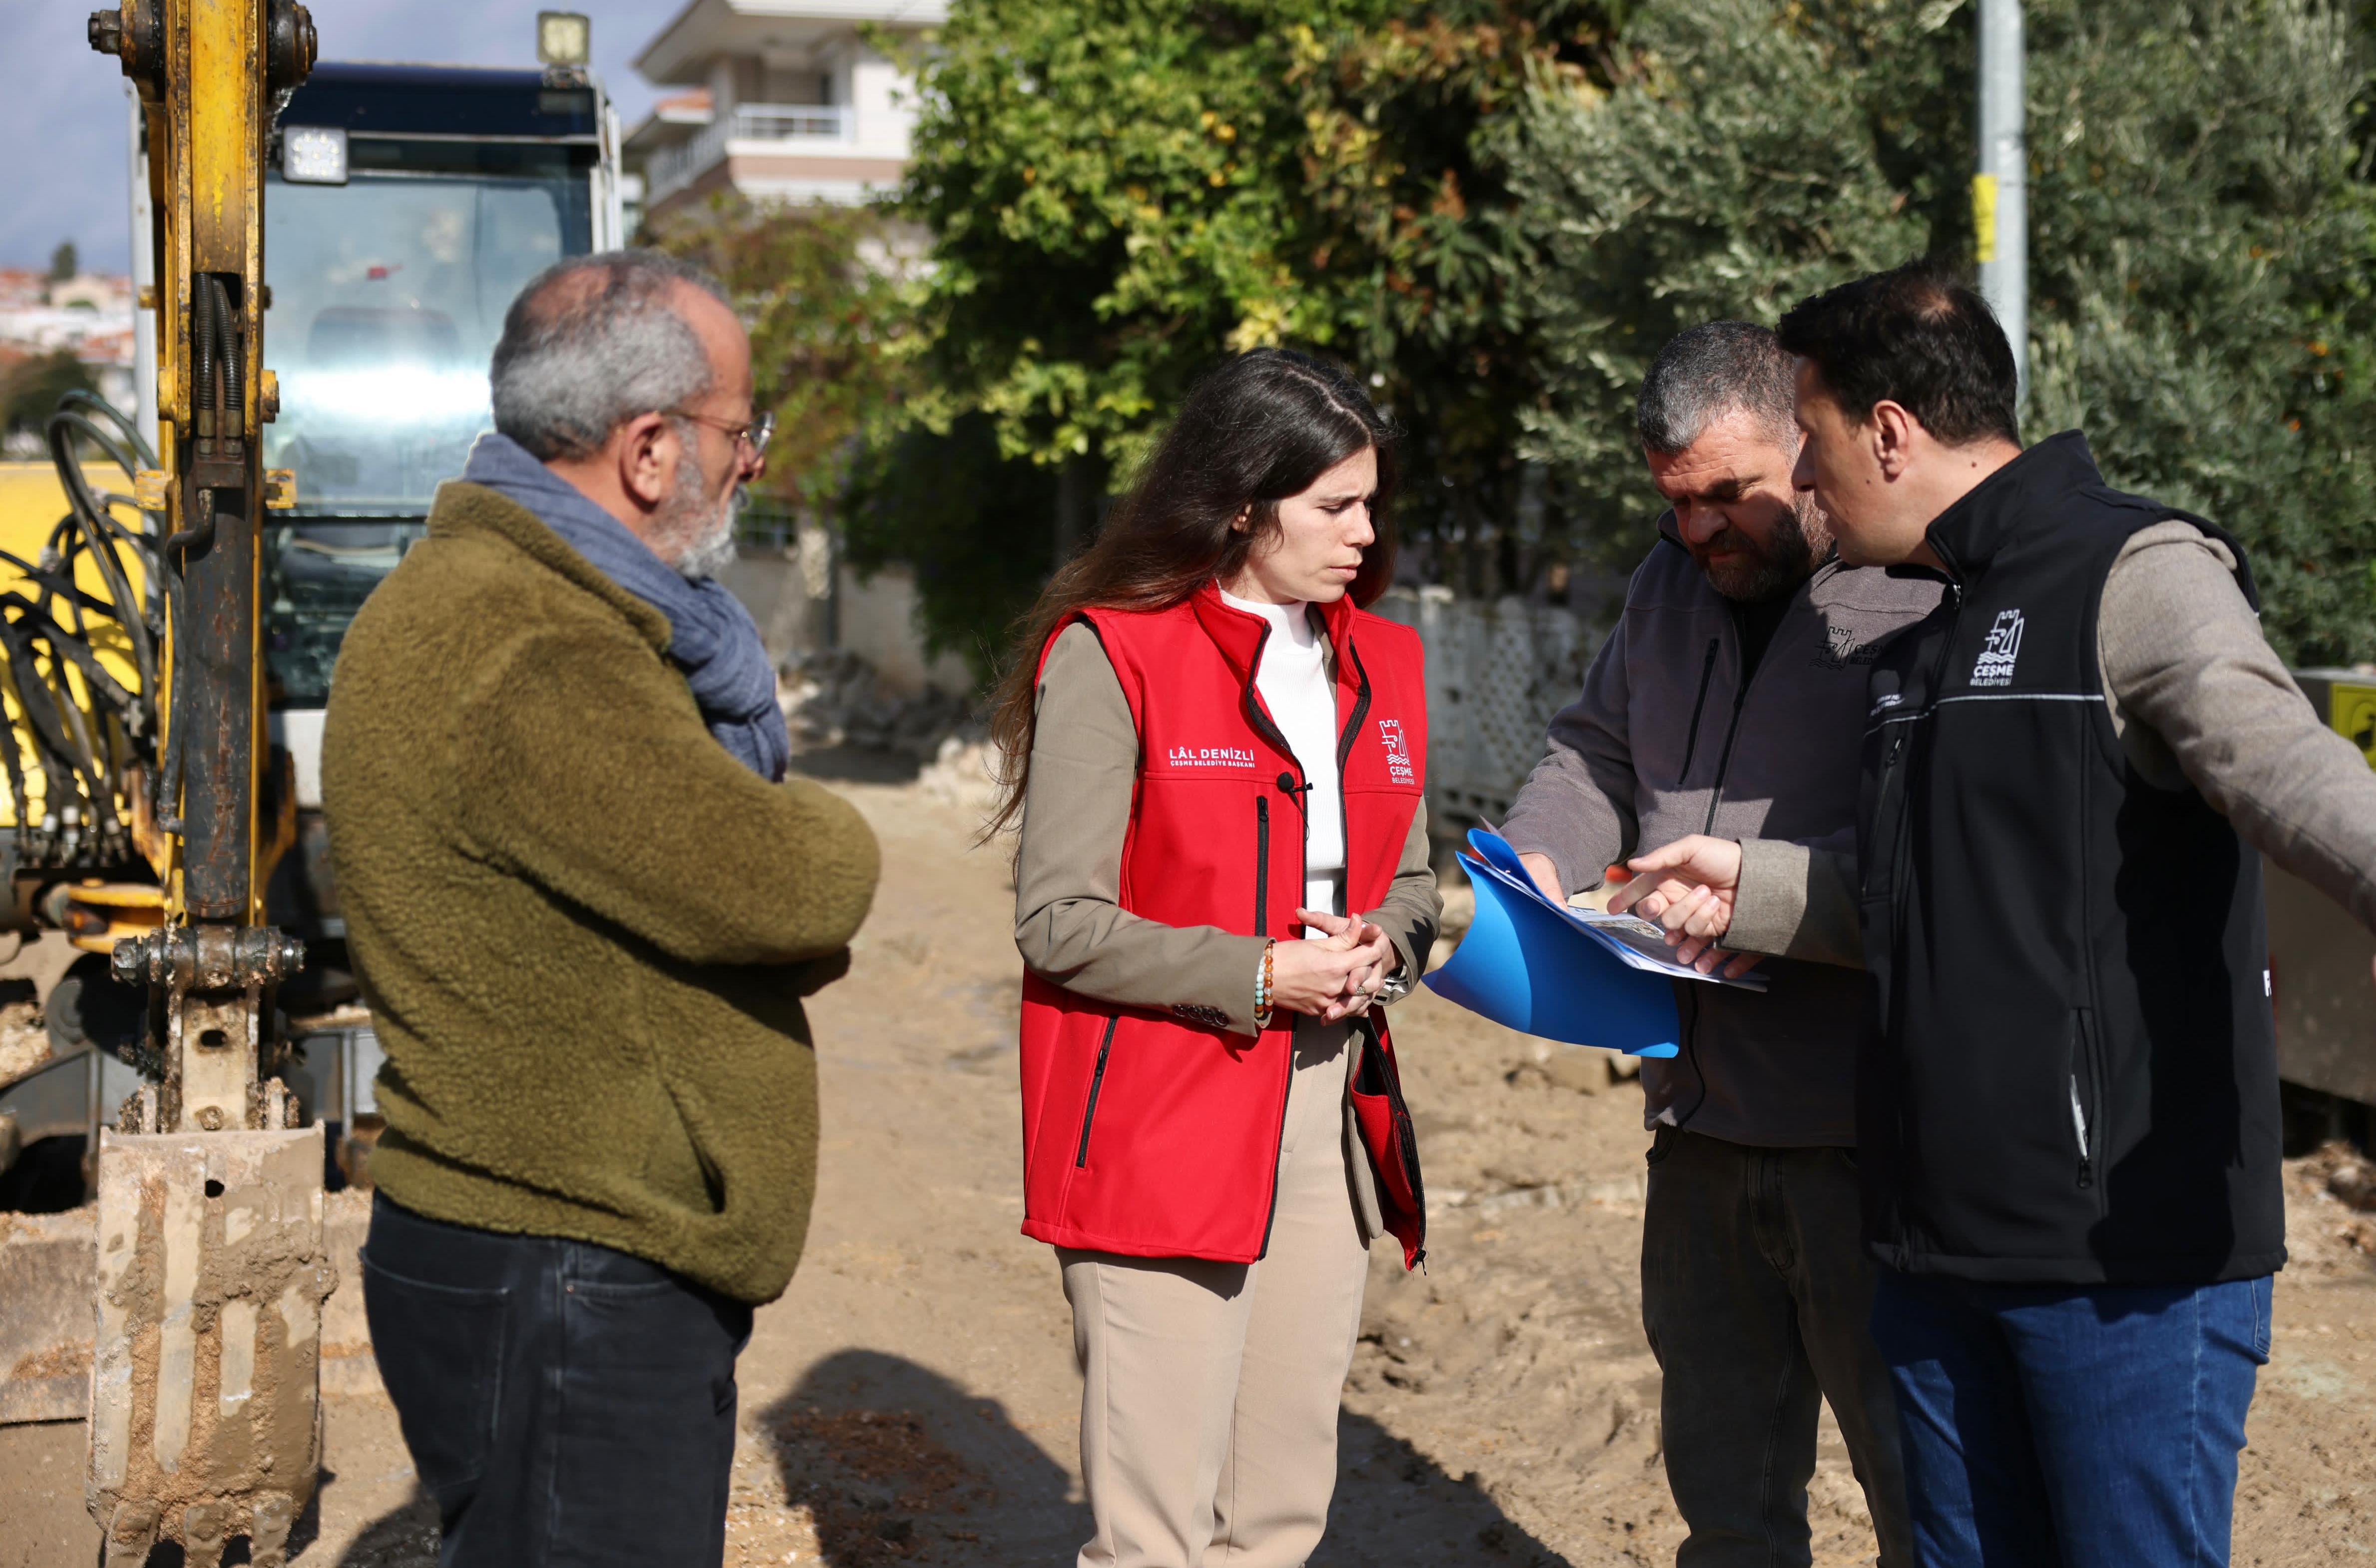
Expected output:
(1777, 566)
(715, 551)
(703, 534)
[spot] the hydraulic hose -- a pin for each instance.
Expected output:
(202, 352)
(88, 513)
(82, 757)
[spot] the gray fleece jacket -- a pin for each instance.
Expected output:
(1667, 740)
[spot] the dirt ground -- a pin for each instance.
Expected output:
(914, 1396)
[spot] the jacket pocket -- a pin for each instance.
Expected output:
(1885, 853)
(2086, 1096)
(440, 1354)
(1096, 1082)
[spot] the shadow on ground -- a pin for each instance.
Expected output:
(1394, 1505)
(857, 765)
(896, 1463)
(403, 1538)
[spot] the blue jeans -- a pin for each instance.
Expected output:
(567, 1405)
(2061, 1426)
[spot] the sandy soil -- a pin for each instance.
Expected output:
(914, 1396)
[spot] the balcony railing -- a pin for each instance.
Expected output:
(672, 169)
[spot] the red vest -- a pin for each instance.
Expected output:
(1157, 1134)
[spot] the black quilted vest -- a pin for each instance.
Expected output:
(2075, 1079)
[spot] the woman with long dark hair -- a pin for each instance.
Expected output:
(1217, 758)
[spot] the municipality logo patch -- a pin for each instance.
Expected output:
(1398, 757)
(1994, 667)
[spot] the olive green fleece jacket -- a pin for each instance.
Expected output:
(583, 927)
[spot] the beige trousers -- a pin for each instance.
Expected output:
(1209, 1390)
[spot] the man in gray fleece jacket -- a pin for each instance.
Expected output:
(1729, 700)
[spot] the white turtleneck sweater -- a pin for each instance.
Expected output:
(1295, 686)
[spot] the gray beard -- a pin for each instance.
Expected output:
(714, 553)
(709, 531)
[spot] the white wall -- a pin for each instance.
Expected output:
(885, 100)
(878, 622)
(878, 617)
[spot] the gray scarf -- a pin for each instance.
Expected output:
(712, 638)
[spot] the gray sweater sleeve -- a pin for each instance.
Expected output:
(2200, 697)
(1577, 805)
(1069, 922)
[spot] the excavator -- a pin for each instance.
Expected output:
(211, 1271)
(165, 656)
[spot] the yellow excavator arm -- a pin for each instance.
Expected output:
(211, 1268)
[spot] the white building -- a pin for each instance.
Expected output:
(785, 100)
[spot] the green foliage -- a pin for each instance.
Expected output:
(828, 293)
(1498, 210)
(2199, 243)
(1122, 192)
(64, 263)
(977, 528)
(1408, 128)
(2200, 283)
(1734, 168)
(1110, 185)
(31, 388)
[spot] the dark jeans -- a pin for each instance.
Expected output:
(565, 1404)
(2081, 1425)
(1757, 1297)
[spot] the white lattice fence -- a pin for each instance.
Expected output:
(1496, 672)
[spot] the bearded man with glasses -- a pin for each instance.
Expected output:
(584, 903)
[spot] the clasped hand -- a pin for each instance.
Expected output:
(1333, 976)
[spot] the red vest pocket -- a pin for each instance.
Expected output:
(1391, 1141)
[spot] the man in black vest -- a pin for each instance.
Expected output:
(2069, 1127)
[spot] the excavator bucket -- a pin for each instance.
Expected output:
(211, 1278)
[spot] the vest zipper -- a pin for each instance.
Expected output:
(1097, 1081)
(2087, 1096)
(1343, 751)
(1891, 811)
(1262, 864)
(1406, 1134)
(2079, 1126)
(1262, 835)
(1692, 741)
(1353, 722)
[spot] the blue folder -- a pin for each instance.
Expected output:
(1528, 967)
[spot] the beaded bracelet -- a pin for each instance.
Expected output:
(1261, 989)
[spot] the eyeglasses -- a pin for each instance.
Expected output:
(756, 433)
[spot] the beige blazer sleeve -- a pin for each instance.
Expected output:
(1069, 922)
